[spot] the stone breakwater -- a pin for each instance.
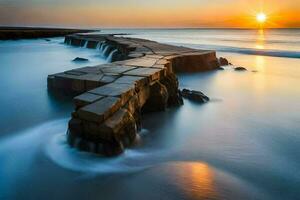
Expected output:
(16, 33)
(112, 97)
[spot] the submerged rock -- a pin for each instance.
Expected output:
(78, 59)
(221, 68)
(195, 96)
(223, 61)
(240, 69)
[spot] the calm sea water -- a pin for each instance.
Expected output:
(243, 144)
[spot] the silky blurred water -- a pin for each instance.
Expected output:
(25, 66)
(243, 144)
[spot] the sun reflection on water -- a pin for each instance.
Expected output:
(197, 180)
(260, 63)
(260, 40)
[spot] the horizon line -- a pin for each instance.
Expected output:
(148, 28)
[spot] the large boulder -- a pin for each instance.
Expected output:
(196, 96)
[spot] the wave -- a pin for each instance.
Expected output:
(49, 139)
(20, 150)
(69, 158)
(250, 51)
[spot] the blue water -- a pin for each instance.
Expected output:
(243, 144)
(25, 66)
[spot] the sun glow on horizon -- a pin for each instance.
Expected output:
(261, 17)
(154, 14)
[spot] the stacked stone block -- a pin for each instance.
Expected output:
(111, 97)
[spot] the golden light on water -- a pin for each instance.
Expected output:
(196, 179)
(260, 40)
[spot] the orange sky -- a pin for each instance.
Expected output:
(154, 13)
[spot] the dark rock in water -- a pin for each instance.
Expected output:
(230, 64)
(223, 61)
(240, 69)
(221, 68)
(48, 40)
(78, 59)
(195, 96)
(254, 71)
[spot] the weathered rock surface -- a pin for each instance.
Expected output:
(223, 61)
(86, 99)
(158, 99)
(196, 96)
(113, 96)
(171, 83)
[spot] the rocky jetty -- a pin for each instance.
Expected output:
(194, 95)
(16, 33)
(140, 78)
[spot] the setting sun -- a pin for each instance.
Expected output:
(261, 17)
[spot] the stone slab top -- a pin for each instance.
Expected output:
(151, 73)
(114, 90)
(100, 110)
(137, 80)
(86, 99)
(138, 45)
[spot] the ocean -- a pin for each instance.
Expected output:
(243, 144)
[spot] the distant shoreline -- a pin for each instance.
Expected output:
(16, 33)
